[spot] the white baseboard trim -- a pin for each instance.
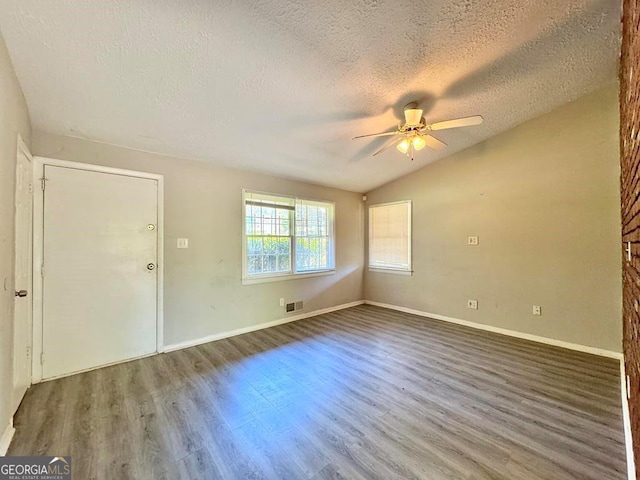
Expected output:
(628, 439)
(6, 438)
(260, 326)
(503, 331)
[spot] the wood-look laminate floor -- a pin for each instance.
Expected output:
(362, 393)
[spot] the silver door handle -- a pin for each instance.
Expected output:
(150, 266)
(22, 293)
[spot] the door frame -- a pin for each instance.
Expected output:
(21, 148)
(38, 252)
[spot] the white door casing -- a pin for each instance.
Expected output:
(98, 303)
(23, 275)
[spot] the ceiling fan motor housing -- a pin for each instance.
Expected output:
(413, 116)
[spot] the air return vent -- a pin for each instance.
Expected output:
(294, 306)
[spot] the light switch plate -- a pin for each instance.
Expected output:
(183, 243)
(473, 241)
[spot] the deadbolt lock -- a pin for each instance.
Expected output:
(151, 227)
(150, 266)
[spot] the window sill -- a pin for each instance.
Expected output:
(391, 270)
(282, 278)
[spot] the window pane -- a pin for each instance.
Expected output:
(254, 245)
(312, 254)
(313, 235)
(274, 225)
(254, 264)
(268, 255)
(284, 263)
(267, 221)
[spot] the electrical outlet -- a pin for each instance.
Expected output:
(473, 241)
(537, 310)
(282, 302)
(182, 243)
(473, 304)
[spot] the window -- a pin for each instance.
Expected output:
(285, 237)
(390, 237)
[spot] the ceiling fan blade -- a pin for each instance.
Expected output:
(389, 144)
(433, 142)
(458, 122)
(395, 132)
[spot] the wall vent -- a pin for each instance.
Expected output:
(294, 306)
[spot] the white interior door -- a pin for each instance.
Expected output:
(99, 269)
(23, 279)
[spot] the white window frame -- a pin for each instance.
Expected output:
(278, 277)
(397, 271)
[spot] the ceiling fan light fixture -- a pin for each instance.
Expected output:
(404, 145)
(412, 135)
(418, 142)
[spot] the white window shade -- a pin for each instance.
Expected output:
(390, 236)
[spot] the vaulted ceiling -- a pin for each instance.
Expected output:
(281, 87)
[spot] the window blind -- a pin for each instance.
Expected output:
(390, 236)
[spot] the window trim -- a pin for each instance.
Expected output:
(278, 277)
(393, 270)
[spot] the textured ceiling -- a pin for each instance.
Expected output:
(281, 87)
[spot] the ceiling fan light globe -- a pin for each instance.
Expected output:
(418, 142)
(403, 146)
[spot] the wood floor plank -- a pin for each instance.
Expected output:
(362, 393)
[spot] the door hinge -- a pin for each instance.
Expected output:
(42, 270)
(30, 187)
(42, 358)
(28, 352)
(43, 181)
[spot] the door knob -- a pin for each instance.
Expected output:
(150, 266)
(22, 293)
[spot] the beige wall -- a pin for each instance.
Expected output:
(14, 120)
(544, 200)
(203, 294)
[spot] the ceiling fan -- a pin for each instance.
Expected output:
(412, 135)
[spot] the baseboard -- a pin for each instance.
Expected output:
(628, 439)
(6, 438)
(260, 326)
(503, 331)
